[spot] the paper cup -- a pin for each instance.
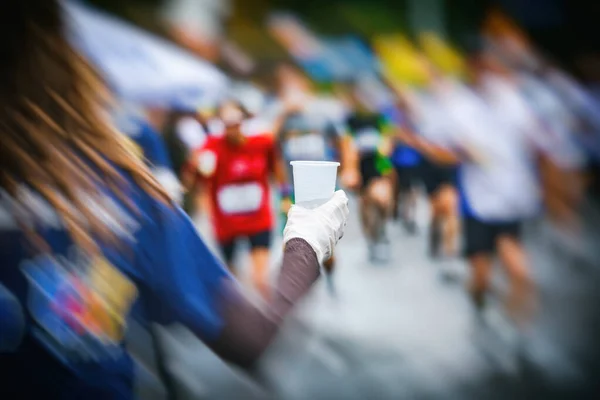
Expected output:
(314, 182)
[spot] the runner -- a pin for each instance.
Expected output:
(437, 173)
(367, 129)
(407, 162)
(87, 234)
(498, 140)
(184, 132)
(237, 169)
(311, 130)
(563, 189)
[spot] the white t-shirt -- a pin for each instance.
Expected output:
(496, 123)
(430, 118)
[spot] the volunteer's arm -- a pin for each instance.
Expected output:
(247, 329)
(187, 284)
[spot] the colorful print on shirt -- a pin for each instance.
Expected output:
(80, 305)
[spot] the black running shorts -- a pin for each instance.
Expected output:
(481, 237)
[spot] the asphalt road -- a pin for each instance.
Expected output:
(406, 330)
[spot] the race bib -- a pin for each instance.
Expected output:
(80, 306)
(240, 199)
(306, 147)
(367, 139)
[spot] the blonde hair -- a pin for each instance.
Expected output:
(54, 134)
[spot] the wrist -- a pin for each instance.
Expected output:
(307, 244)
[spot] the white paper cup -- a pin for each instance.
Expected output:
(314, 182)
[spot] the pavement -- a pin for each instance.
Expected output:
(406, 330)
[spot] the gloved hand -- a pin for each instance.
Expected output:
(321, 227)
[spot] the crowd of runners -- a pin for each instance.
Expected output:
(491, 151)
(504, 144)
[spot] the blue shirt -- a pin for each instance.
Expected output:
(152, 145)
(73, 344)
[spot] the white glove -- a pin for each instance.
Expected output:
(321, 227)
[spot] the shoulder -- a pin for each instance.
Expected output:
(213, 143)
(261, 141)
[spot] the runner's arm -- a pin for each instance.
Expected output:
(279, 169)
(280, 174)
(200, 167)
(348, 153)
(435, 152)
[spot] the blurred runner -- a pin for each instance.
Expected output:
(368, 130)
(184, 132)
(563, 188)
(438, 173)
(498, 139)
(88, 235)
(237, 169)
(310, 131)
(407, 162)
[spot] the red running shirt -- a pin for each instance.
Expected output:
(238, 181)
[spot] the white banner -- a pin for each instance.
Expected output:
(139, 66)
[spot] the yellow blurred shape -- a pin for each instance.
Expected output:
(113, 295)
(400, 60)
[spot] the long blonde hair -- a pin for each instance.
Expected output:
(54, 136)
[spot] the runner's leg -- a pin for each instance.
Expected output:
(479, 249)
(435, 226)
(450, 224)
(380, 193)
(260, 256)
(481, 267)
(520, 302)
